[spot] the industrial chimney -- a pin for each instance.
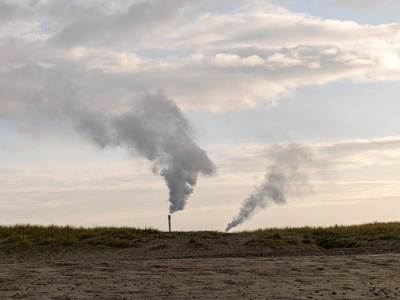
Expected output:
(169, 223)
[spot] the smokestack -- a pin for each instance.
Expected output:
(169, 223)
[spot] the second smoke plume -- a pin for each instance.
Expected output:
(282, 174)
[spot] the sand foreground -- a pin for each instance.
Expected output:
(298, 277)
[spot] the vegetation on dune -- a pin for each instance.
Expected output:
(329, 237)
(34, 235)
(24, 241)
(193, 242)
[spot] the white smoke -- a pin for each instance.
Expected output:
(151, 126)
(157, 130)
(281, 176)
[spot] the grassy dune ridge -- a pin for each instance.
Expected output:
(21, 242)
(35, 235)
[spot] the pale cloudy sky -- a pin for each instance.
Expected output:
(246, 74)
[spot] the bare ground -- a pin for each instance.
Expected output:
(204, 265)
(300, 277)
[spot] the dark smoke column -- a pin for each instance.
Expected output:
(157, 130)
(281, 175)
(186, 161)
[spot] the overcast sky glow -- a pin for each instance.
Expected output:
(247, 74)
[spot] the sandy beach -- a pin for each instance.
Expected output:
(289, 277)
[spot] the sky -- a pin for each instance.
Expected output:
(104, 104)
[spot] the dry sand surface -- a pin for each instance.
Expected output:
(289, 277)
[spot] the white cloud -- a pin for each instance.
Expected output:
(109, 61)
(330, 157)
(362, 4)
(283, 60)
(203, 59)
(232, 60)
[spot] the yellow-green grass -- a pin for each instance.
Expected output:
(334, 236)
(34, 235)
(22, 242)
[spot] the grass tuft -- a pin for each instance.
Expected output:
(196, 243)
(265, 242)
(295, 241)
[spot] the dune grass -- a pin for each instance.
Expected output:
(328, 237)
(34, 235)
(148, 242)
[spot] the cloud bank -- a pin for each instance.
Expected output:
(105, 50)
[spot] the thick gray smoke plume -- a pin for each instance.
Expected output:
(281, 176)
(157, 130)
